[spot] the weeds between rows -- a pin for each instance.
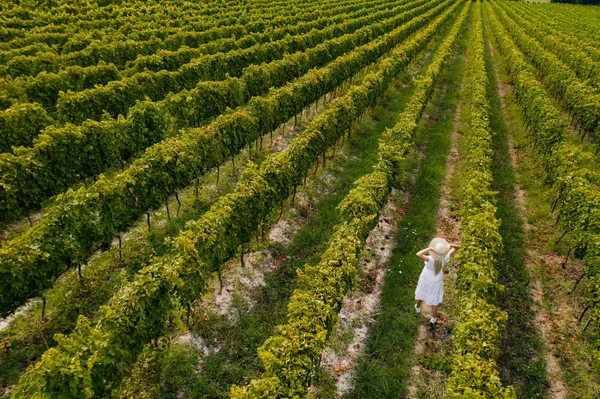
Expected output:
(236, 361)
(386, 365)
(521, 363)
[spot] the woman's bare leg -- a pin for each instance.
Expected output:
(434, 311)
(419, 302)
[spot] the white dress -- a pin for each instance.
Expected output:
(430, 288)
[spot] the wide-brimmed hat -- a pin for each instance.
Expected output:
(440, 248)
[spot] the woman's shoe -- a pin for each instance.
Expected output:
(432, 323)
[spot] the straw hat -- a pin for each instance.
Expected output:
(440, 248)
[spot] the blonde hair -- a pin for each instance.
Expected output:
(437, 265)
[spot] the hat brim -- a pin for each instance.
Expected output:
(438, 243)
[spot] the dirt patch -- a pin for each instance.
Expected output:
(6, 392)
(4, 323)
(282, 232)
(282, 142)
(195, 341)
(238, 281)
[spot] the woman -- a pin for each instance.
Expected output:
(430, 288)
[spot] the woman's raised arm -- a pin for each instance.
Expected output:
(421, 254)
(453, 249)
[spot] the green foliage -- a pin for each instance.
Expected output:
(163, 368)
(436, 362)
(595, 2)
(293, 353)
(571, 182)
(85, 218)
(572, 75)
(46, 86)
(570, 25)
(172, 59)
(20, 125)
(137, 313)
(247, 50)
(116, 97)
(62, 155)
(187, 108)
(480, 325)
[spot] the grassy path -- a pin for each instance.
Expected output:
(335, 377)
(386, 366)
(433, 349)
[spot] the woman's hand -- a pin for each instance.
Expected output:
(453, 249)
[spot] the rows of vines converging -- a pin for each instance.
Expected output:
(578, 54)
(101, 42)
(108, 110)
(72, 229)
(93, 288)
(164, 60)
(291, 356)
(572, 183)
(69, 153)
(46, 86)
(96, 355)
(66, 316)
(577, 91)
(64, 304)
(576, 22)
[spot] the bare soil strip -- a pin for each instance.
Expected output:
(424, 380)
(360, 306)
